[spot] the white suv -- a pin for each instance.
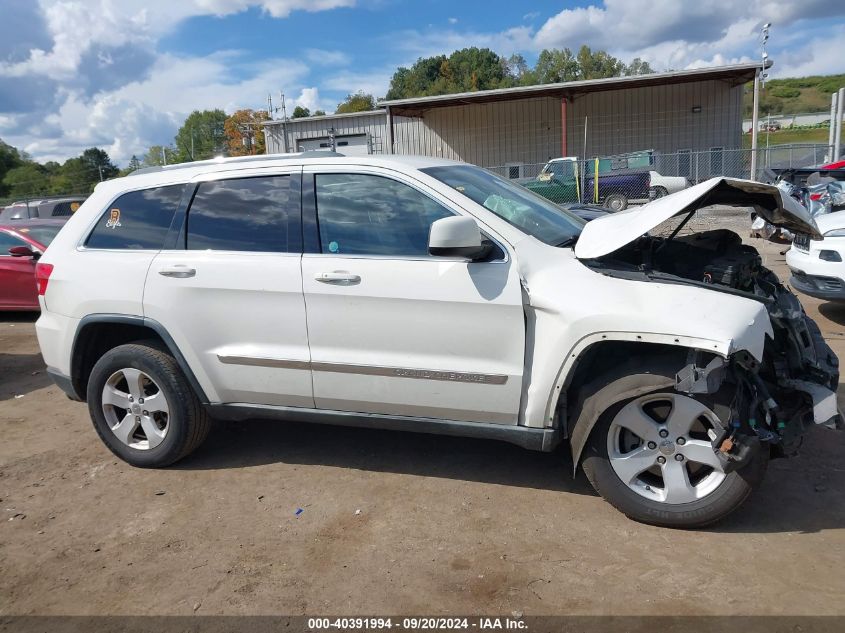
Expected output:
(429, 295)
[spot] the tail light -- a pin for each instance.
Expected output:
(815, 196)
(42, 276)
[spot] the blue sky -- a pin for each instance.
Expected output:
(123, 74)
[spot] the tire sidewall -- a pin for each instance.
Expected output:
(123, 357)
(726, 498)
(623, 202)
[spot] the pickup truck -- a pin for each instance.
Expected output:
(560, 182)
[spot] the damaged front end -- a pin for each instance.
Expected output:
(770, 401)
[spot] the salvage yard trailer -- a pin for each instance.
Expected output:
(672, 113)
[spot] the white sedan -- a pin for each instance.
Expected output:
(818, 266)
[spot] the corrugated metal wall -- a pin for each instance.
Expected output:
(663, 118)
(374, 124)
(659, 117)
(487, 134)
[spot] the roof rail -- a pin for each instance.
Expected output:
(238, 159)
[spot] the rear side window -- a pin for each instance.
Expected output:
(244, 214)
(137, 220)
(64, 209)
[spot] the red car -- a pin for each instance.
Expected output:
(840, 164)
(21, 244)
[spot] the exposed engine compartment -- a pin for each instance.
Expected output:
(768, 402)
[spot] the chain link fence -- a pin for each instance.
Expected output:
(637, 177)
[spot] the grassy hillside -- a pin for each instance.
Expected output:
(789, 135)
(794, 96)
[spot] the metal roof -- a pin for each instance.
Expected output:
(735, 73)
(326, 117)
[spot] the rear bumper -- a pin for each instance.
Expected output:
(818, 286)
(64, 383)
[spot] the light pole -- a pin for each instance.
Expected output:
(759, 81)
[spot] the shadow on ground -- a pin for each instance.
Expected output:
(833, 311)
(21, 374)
(257, 442)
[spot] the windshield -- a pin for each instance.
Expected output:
(518, 206)
(41, 234)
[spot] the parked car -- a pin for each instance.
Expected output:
(429, 295)
(21, 245)
(560, 182)
(47, 208)
(818, 265)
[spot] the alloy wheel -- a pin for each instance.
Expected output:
(136, 408)
(658, 445)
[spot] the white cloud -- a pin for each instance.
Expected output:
(93, 76)
(348, 82)
(323, 57)
(310, 98)
(453, 20)
(276, 8)
(688, 34)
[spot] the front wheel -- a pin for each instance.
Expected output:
(652, 459)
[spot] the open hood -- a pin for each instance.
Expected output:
(608, 234)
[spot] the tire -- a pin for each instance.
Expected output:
(615, 202)
(143, 434)
(720, 493)
(659, 192)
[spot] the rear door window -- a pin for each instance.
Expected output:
(137, 220)
(245, 214)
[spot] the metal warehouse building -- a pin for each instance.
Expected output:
(676, 114)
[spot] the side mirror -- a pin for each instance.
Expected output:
(458, 236)
(23, 251)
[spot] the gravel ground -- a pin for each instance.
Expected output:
(391, 523)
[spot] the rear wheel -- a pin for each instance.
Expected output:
(651, 458)
(658, 192)
(142, 406)
(616, 202)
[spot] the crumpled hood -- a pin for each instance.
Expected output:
(608, 234)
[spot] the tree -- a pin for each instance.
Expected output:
(25, 180)
(598, 65)
(159, 155)
(556, 66)
(244, 132)
(97, 160)
(299, 112)
(134, 163)
(358, 102)
(201, 136)
(319, 113)
(638, 66)
(9, 159)
(463, 71)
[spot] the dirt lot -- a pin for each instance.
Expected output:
(392, 523)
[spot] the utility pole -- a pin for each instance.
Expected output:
(163, 156)
(759, 82)
(100, 168)
(284, 121)
(831, 138)
(840, 112)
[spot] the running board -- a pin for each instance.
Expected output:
(533, 439)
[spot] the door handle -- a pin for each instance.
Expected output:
(337, 277)
(180, 271)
